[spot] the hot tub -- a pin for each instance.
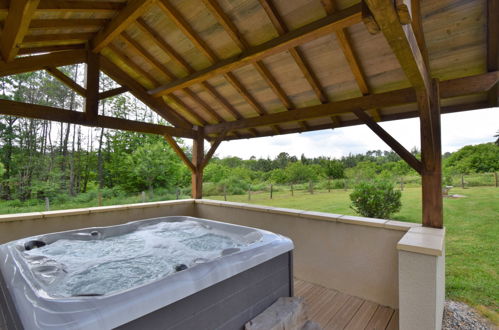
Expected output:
(170, 273)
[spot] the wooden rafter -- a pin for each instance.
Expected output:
(388, 139)
(60, 38)
(125, 17)
(448, 89)
(402, 41)
(493, 47)
(289, 40)
(156, 104)
(49, 49)
(16, 26)
(186, 29)
(62, 77)
(352, 59)
(295, 52)
(171, 141)
(40, 62)
(79, 6)
(60, 23)
(149, 58)
(243, 44)
(112, 92)
(92, 75)
(42, 112)
(184, 26)
(172, 53)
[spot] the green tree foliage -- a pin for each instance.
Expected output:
(299, 172)
(2, 169)
(474, 159)
(376, 199)
(152, 165)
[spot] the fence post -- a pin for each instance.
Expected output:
(462, 181)
(497, 179)
(328, 184)
(99, 198)
(310, 187)
(292, 191)
(345, 184)
(401, 184)
(177, 192)
(143, 196)
(47, 204)
(249, 193)
(271, 191)
(225, 193)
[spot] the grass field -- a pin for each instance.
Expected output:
(472, 243)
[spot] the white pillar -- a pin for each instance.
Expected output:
(421, 279)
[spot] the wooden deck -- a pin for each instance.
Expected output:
(336, 310)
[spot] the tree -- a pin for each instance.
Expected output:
(497, 136)
(479, 158)
(153, 165)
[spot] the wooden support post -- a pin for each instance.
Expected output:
(249, 192)
(497, 179)
(197, 159)
(292, 191)
(92, 86)
(225, 193)
(271, 191)
(431, 157)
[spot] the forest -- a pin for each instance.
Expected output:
(40, 159)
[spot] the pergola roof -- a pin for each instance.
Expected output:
(248, 68)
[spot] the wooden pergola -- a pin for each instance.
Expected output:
(222, 70)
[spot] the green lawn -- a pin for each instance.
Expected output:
(472, 243)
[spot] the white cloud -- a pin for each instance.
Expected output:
(458, 130)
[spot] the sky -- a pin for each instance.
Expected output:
(458, 130)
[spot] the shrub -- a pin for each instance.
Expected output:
(376, 199)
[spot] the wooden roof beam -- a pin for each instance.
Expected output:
(289, 40)
(79, 6)
(213, 148)
(66, 22)
(156, 104)
(171, 141)
(403, 42)
(354, 122)
(351, 57)
(112, 92)
(493, 47)
(243, 44)
(15, 27)
(388, 139)
(162, 68)
(295, 52)
(42, 112)
(49, 49)
(155, 36)
(450, 88)
(133, 10)
(62, 77)
(40, 62)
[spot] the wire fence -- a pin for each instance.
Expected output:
(268, 191)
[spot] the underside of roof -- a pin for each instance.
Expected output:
(240, 66)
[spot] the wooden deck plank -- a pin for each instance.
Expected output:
(380, 318)
(394, 321)
(345, 314)
(363, 316)
(336, 310)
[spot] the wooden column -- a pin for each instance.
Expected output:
(92, 86)
(431, 157)
(197, 161)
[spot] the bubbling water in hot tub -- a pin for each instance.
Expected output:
(94, 267)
